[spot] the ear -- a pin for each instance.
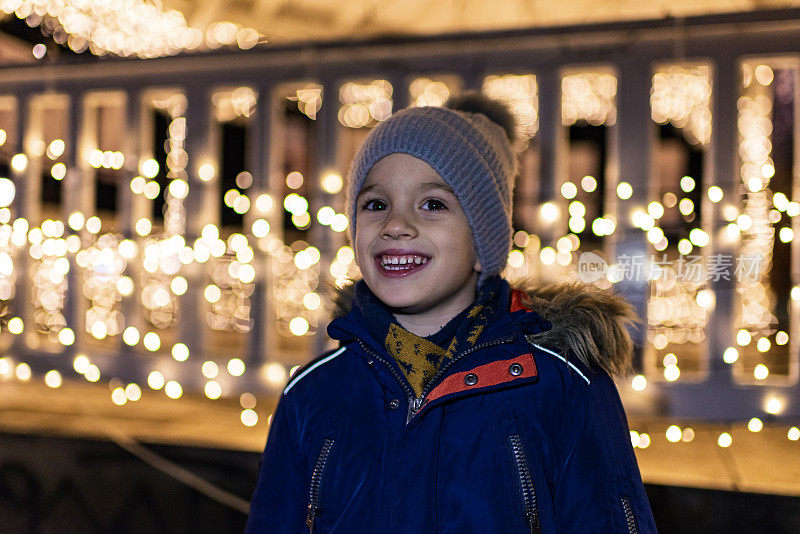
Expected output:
(478, 268)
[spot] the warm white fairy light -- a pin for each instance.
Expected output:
(49, 250)
(589, 97)
(92, 373)
(298, 326)
(173, 389)
(105, 286)
(210, 369)
(213, 390)
(331, 183)
(81, 363)
(365, 104)
(236, 367)
(232, 277)
(774, 405)
(133, 392)
(19, 162)
(151, 341)
(7, 192)
(520, 93)
(674, 434)
(53, 379)
(308, 98)
(639, 383)
(118, 396)
(249, 417)
(428, 92)
(155, 380)
(124, 27)
(679, 303)
(681, 95)
(174, 106)
(247, 400)
(275, 373)
(761, 371)
(755, 425)
(757, 230)
(235, 103)
(8, 273)
(624, 190)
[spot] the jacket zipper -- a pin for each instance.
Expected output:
(526, 483)
(419, 402)
(415, 403)
(316, 484)
(630, 520)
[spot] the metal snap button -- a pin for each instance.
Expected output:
(471, 379)
(394, 404)
(515, 369)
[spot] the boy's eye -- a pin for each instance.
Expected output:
(374, 205)
(433, 204)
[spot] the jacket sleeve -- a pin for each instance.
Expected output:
(278, 505)
(600, 489)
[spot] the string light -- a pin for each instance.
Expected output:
(590, 97)
(755, 425)
(365, 104)
(126, 27)
(520, 93)
(428, 92)
(249, 417)
(681, 95)
(674, 434)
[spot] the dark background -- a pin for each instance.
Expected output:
(59, 485)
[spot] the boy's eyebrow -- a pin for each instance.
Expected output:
(429, 186)
(367, 189)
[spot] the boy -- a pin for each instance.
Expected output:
(454, 404)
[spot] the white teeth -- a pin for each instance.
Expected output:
(402, 260)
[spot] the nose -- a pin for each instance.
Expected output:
(399, 225)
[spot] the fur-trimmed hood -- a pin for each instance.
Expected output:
(587, 323)
(590, 323)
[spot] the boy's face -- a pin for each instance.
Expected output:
(413, 242)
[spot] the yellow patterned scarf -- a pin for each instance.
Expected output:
(420, 358)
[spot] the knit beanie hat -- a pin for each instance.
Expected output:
(471, 152)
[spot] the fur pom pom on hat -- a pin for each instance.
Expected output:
(468, 142)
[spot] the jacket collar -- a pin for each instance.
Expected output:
(518, 319)
(580, 320)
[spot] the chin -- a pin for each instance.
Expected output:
(399, 300)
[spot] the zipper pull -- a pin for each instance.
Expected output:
(533, 521)
(413, 407)
(312, 512)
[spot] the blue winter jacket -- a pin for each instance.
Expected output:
(515, 436)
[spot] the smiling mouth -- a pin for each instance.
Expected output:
(400, 264)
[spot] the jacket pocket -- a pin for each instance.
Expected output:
(527, 488)
(630, 519)
(316, 483)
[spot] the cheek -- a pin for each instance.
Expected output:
(457, 242)
(361, 245)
